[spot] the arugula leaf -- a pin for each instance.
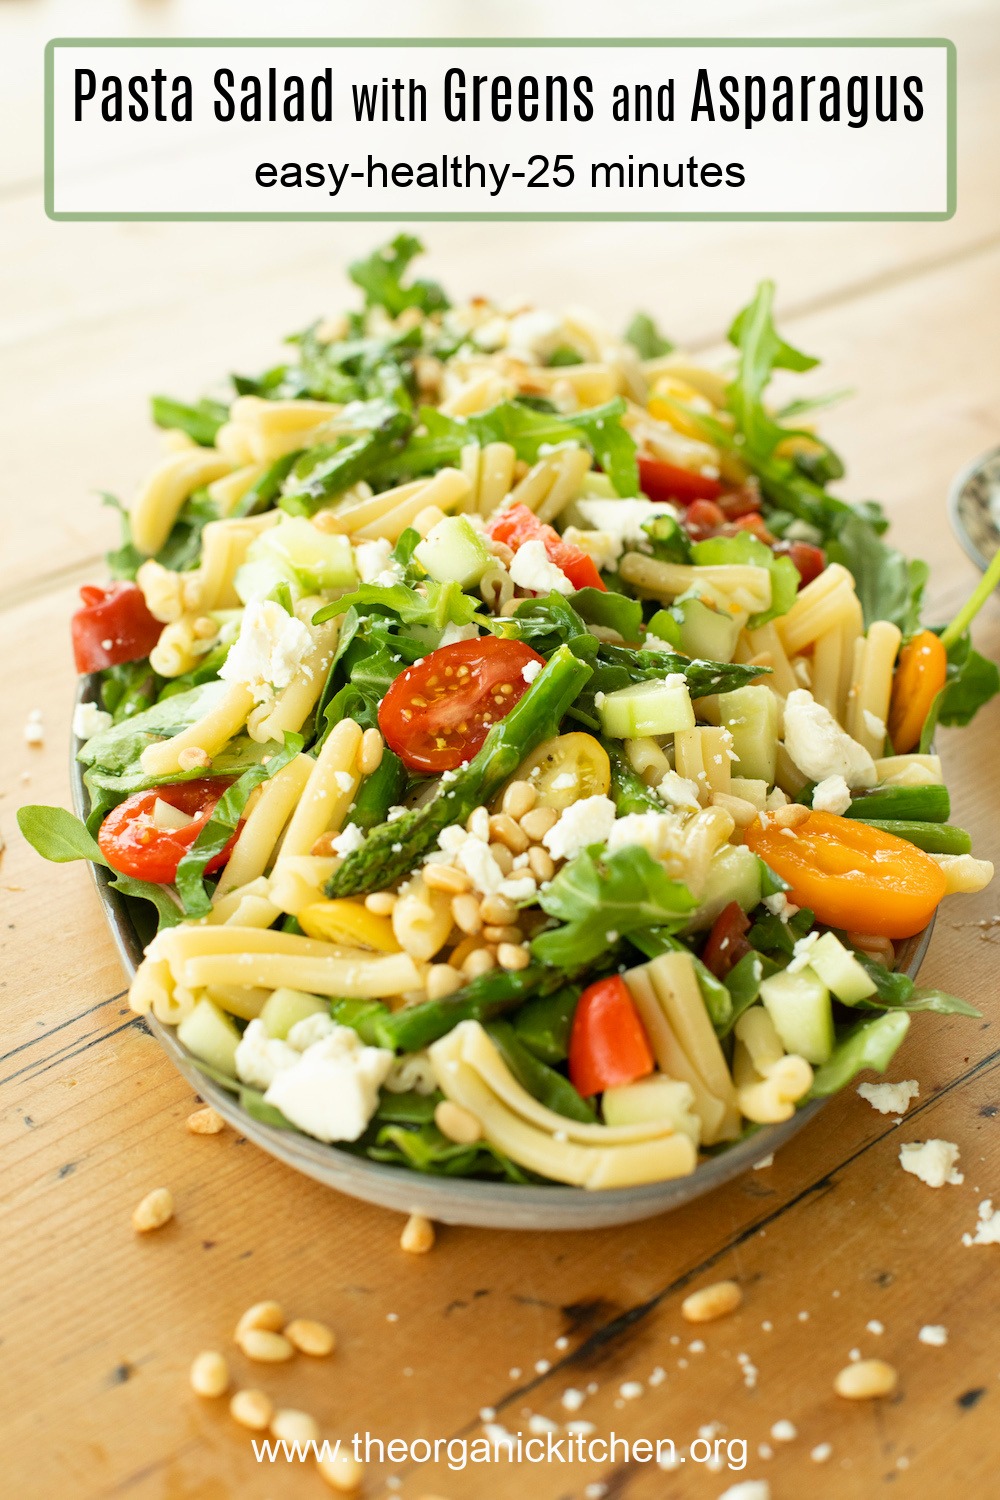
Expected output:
(106, 787)
(547, 623)
(57, 835)
(439, 604)
(867, 1044)
(220, 827)
(602, 897)
(611, 609)
(644, 336)
(116, 748)
(743, 983)
(762, 351)
(129, 689)
(380, 277)
(125, 560)
(323, 473)
(770, 935)
(750, 550)
(201, 422)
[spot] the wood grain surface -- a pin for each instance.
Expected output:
(98, 1326)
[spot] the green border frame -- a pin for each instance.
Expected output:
(499, 217)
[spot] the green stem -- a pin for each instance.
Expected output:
(961, 622)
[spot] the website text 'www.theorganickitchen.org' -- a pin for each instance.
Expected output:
(550, 1448)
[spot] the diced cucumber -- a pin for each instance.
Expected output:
(799, 1005)
(840, 970)
(751, 716)
(646, 708)
(318, 559)
(454, 552)
(258, 578)
(209, 1034)
(754, 792)
(653, 1101)
(733, 875)
(706, 632)
(666, 627)
(285, 1008)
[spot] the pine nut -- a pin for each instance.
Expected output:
(341, 1472)
(501, 551)
(252, 1409)
(268, 1315)
(498, 911)
(370, 754)
(537, 823)
(204, 628)
(193, 758)
(478, 824)
(155, 1210)
(540, 863)
(205, 1121)
(465, 913)
(462, 950)
(865, 1379)
(507, 832)
(264, 1347)
(790, 816)
(480, 961)
(292, 1426)
(446, 878)
(326, 521)
(503, 857)
(418, 1235)
(209, 1374)
(513, 956)
(508, 933)
(382, 903)
(519, 798)
(457, 1123)
(310, 1337)
(442, 980)
(711, 1302)
(323, 846)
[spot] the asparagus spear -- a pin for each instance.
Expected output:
(347, 464)
(629, 792)
(703, 677)
(483, 999)
(393, 849)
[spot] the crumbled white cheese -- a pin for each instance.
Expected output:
(89, 720)
(332, 1090)
(344, 780)
(532, 569)
(748, 1489)
(874, 1326)
(602, 546)
(988, 1228)
(631, 1390)
(890, 1098)
(819, 747)
(397, 811)
(678, 791)
(832, 795)
(932, 1161)
(530, 670)
(260, 1057)
(269, 650)
(564, 781)
(572, 1399)
(580, 1428)
(539, 1425)
(34, 730)
(452, 634)
(623, 520)
(784, 1432)
(375, 564)
(934, 1334)
(472, 855)
(652, 831)
(655, 643)
(586, 822)
(821, 1453)
(348, 840)
(765, 1161)
(801, 953)
(874, 725)
(309, 1030)
(518, 888)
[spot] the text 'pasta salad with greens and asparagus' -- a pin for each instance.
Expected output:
(526, 756)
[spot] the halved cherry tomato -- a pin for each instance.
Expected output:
(851, 875)
(809, 560)
(741, 502)
(132, 843)
(752, 522)
(518, 525)
(437, 714)
(113, 626)
(920, 675)
(663, 481)
(727, 942)
(702, 519)
(608, 1044)
(565, 769)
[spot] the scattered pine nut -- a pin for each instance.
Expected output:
(466, 915)
(790, 816)
(506, 831)
(478, 824)
(267, 1315)
(418, 1235)
(209, 1374)
(326, 521)
(265, 1347)
(503, 857)
(865, 1379)
(480, 961)
(512, 956)
(446, 878)
(205, 1121)
(541, 863)
(342, 1472)
(519, 798)
(509, 933)
(498, 911)
(155, 1210)
(442, 980)
(538, 821)
(457, 1123)
(310, 1337)
(382, 903)
(292, 1426)
(193, 758)
(711, 1302)
(252, 1409)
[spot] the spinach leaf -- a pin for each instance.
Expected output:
(425, 1149)
(323, 473)
(168, 912)
(747, 550)
(201, 422)
(608, 608)
(107, 787)
(437, 604)
(129, 689)
(972, 680)
(118, 747)
(644, 336)
(125, 560)
(543, 1083)
(546, 623)
(601, 897)
(380, 277)
(896, 991)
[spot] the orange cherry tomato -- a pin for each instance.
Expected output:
(851, 875)
(920, 676)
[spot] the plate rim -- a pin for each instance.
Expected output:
(955, 492)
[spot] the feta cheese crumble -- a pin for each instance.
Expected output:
(472, 855)
(332, 1090)
(650, 831)
(261, 1057)
(269, 650)
(34, 730)
(784, 1432)
(89, 720)
(932, 1161)
(678, 791)
(622, 520)
(818, 746)
(586, 822)
(832, 795)
(348, 840)
(934, 1334)
(531, 569)
(530, 670)
(890, 1098)
(374, 562)
(988, 1228)
(748, 1489)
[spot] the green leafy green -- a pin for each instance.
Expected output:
(866, 1044)
(544, 1022)
(644, 336)
(380, 277)
(889, 585)
(612, 610)
(668, 540)
(601, 897)
(57, 835)
(129, 689)
(201, 421)
(437, 604)
(972, 680)
(320, 474)
(747, 550)
(116, 748)
(168, 912)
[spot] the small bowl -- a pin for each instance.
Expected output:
(491, 1205)
(974, 507)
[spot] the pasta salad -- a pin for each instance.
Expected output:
(526, 757)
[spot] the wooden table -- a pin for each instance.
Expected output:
(97, 1326)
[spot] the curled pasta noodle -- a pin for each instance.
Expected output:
(702, 756)
(770, 1100)
(964, 873)
(671, 1057)
(765, 639)
(477, 394)
(729, 586)
(209, 733)
(496, 587)
(329, 791)
(495, 476)
(421, 919)
(258, 838)
(228, 491)
(159, 501)
(648, 759)
(819, 607)
(676, 985)
(178, 649)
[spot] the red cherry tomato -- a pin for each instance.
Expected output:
(809, 560)
(436, 715)
(133, 844)
(518, 525)
(727, 942)
(113, 626)
(663, 481)
(752, 522)
(608, 1044)
(702, 519)
(741, 502)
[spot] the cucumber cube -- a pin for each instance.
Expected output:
(209, 1034)
(646, 708)
(751, 716)
(454, 552)
(318, 559)
(733, 875)
(799, 1005)
(840, 970)
(705, 632)
(285, 1008)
